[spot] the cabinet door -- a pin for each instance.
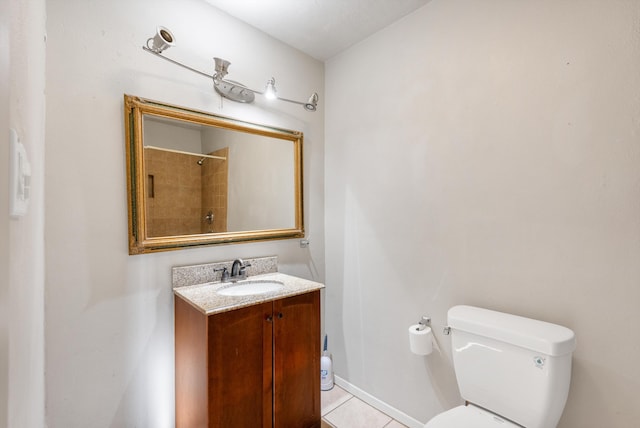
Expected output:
(191, 366)
(296, 375)
(240, 368)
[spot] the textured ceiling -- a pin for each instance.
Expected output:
(320, 28)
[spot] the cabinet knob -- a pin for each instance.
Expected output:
(280, 315)
(268, 318)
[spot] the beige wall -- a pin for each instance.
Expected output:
(25, 239)
(487, 153)
(4, 211)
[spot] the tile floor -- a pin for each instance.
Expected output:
(340, 409)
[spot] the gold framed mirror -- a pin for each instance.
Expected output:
(196, 178)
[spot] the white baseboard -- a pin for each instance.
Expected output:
(379, 404)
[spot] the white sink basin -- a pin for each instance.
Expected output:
(251, 287)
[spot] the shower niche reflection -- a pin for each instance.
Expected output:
(200, 179)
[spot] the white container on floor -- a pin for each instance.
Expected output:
(326, 372)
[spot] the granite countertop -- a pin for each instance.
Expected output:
(205, 298)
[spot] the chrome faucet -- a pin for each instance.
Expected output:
(238, 270)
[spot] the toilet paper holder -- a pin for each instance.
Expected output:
(424, 322)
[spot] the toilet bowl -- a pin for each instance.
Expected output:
(512, 371)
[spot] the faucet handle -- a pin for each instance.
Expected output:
(242, 272)
(225, 273)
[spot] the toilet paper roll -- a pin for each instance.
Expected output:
(420, 341)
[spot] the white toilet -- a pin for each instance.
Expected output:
(512, 371)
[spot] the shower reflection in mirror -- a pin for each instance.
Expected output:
(191, 167)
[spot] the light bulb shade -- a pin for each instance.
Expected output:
(162, 40)
(312, 103)
(222, 68)
(270, 91)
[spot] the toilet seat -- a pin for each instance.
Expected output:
(469, 417)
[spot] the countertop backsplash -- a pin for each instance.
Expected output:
(182, 276)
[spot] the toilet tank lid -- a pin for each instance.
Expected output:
(540, 336)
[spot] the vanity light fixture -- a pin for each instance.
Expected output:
(235, 91)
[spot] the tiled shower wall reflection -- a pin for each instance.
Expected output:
(180, 193)
(214, 192)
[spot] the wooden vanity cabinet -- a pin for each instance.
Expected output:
(257, 366)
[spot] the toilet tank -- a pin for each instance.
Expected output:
(516, 367)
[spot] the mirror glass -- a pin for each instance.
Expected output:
(200, 179)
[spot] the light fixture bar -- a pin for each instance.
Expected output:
(299, 103)
(226, 88)
(177, 63)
